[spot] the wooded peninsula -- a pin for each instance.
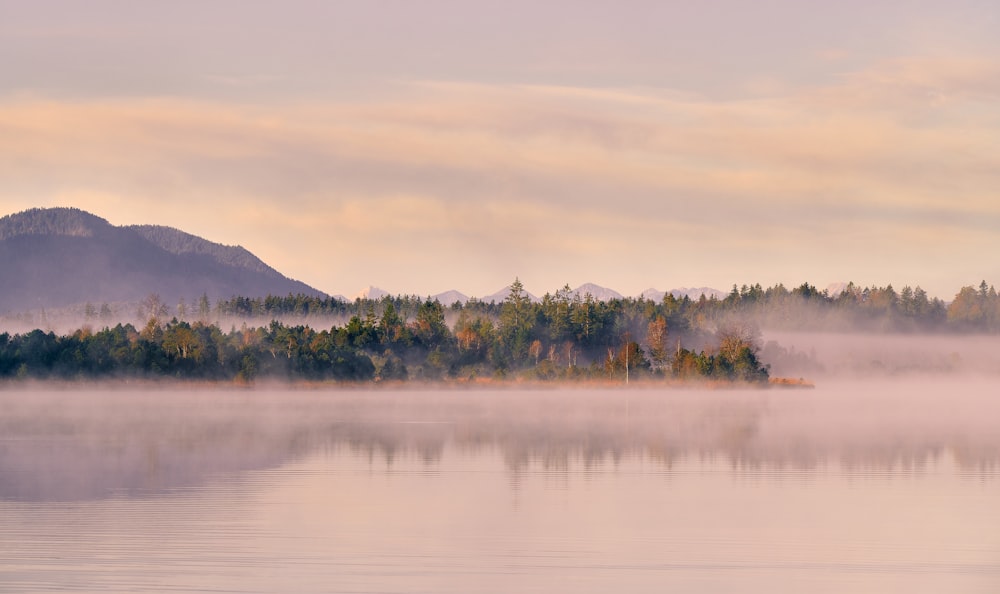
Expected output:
(563, 336)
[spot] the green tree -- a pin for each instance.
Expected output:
(430, 327)
(516, 321)
(391, 327)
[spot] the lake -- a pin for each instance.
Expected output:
(890, 486)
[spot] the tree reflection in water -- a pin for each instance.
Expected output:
(77, 445)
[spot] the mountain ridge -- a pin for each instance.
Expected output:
(596, 292)
(180, 242)
(57, 257)
(53, 257)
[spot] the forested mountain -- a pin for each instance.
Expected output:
(57, 257)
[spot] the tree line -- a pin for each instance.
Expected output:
(803, 308)
(854, 308)
(561, 336)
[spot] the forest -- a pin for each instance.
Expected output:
(562, 336)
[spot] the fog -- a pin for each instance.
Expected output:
(826, 356)
(64, 321)
(81, 443)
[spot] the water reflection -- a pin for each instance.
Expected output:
(88, 445)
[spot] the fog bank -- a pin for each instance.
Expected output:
(828, 356)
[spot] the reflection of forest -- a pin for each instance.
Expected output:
(71, 446)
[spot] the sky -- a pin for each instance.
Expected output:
(422, 146)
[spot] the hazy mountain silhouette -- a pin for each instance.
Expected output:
(451, 297)
(598, 292)
(371, 292)
(502, 294)
(57, 257)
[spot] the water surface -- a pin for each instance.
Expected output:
(879, 488)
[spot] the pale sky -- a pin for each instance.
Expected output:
(422, 146)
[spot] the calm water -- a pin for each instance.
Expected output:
(847, 488)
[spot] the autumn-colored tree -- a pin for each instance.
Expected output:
(966, 310)
(734, 337)
(656, 338)
(535, 350)
(738, 349)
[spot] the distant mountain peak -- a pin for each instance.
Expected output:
(652, 294)
(502, 295)
(695, 293)
(598, 292)
(371, 292)
(451, 297)
(835, 289)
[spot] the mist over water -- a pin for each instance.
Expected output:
(851, 356)
(69, 445)
(854, 486)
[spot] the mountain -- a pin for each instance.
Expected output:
(371, 292)
(450, 297)
(835, 289)
(652, 294)
(598, 292)
(57, 257)
(502, 294)
(693, 293)
(696, 293)
(179, 242)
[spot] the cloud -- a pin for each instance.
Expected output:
(548, 176)
(931, 81)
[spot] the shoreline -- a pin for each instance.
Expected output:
(516, 384)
